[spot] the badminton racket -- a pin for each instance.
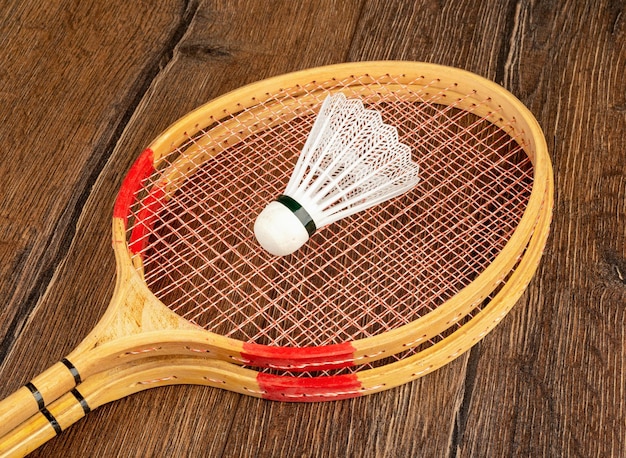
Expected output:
(150, 372)
(191, 279)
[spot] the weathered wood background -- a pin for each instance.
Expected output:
(84, 86)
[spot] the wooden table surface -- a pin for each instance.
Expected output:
(84, 86)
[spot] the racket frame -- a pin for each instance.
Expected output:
(158, 371)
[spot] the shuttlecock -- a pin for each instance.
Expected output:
(350, 162)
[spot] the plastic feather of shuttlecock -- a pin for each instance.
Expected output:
(350, 162)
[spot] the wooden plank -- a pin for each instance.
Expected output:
(71, 76)
(558, 387)
(401, 422)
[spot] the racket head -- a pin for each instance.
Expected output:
(169, 166)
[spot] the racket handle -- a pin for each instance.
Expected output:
(42, 426)
(36, 395)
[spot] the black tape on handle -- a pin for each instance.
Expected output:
(53, 421)
(36, 394)
(66, 362)
(82, 401)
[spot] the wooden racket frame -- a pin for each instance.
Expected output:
(158, 371)
(136, 324)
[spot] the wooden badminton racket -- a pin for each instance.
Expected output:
(157, 371)
(191, 278)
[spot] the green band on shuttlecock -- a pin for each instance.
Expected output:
(299, 211)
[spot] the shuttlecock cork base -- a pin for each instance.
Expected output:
(351, 161)
(283, 226)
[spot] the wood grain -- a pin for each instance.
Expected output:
(85, 87)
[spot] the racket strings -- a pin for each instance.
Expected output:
(359, 277)
(417, 348)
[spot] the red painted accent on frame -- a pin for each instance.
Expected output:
(141, 169)
(150, 207)
(299, 359)
(309, 389)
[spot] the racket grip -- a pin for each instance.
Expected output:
(42, 427)
(35, 396)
